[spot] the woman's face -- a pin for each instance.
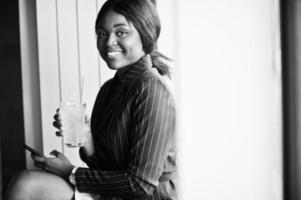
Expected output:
(118, 41)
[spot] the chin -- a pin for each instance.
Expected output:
(113, 67)
(116, 65)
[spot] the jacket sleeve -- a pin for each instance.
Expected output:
(92, 161)
(153, 132)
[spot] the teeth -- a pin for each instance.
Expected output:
(114, 53)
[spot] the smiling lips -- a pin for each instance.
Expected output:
(113, 54)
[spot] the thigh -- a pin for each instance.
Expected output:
(34, 184)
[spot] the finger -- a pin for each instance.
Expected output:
(39, 165)
(35, 157)
(58, 111)
(38, 158)
(58, 133)
(57, 124)
(46, 169)
(57, 116)
(40, 162)
(55, 153)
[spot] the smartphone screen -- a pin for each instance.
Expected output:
(35, 152)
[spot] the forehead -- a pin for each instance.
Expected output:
(112, 19)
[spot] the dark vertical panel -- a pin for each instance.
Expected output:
(0, 171)
(291, 62)
(11, 108)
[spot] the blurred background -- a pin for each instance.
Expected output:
(236, 78)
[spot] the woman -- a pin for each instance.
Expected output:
(131, 154)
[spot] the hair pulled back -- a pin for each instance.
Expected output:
(144, 17)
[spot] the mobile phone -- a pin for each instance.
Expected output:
(35, 152)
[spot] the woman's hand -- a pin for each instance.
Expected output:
(57, 123)
(59, 164)
(88, 144)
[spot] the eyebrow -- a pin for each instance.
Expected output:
(120, 24)
(115, 25)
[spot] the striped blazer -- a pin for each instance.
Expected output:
(133, 127)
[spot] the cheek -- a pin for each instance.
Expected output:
(101, 42)
(134, 45)
(100, 47)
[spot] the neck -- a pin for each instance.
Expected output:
(122, 70)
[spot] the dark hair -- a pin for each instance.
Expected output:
(144, 16)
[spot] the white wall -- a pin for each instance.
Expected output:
(228, 83)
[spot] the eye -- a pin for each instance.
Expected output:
(121, 33)
(102, 34)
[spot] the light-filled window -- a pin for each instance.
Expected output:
(228, 87)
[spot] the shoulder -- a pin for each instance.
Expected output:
(105, 87)
(107, 83)
(152, 97)
(151, 83)
(152, 78)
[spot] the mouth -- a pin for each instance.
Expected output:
(113, 54)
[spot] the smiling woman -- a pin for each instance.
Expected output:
(131, 151)
(118, 41)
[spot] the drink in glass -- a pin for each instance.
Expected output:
(73, 123)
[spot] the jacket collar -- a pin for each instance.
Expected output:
(135, 70)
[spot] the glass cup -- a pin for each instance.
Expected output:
(72, 116)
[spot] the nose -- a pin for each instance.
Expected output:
(111, 41)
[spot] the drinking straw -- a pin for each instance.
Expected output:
(81, 90)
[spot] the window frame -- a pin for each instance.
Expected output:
(290, 43)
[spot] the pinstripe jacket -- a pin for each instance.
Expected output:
(133, 127)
